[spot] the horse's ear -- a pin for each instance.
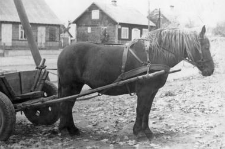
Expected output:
(202, 33)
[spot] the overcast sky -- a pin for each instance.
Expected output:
(207, 12)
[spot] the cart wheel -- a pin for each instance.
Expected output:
(7, 117)
(45, 115)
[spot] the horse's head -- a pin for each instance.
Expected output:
(202, 57)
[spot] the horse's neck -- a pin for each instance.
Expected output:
(160, 56)
(163, 58)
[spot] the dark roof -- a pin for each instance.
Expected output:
(37, 11)
(121, 14)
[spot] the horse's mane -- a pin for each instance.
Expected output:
(173, 42)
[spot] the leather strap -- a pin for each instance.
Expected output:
(125, 54)
(124, 58)
(147, 45)
(132, 52)
(137, 71)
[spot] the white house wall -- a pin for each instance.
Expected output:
(6, 34)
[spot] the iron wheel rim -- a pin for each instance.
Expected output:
(1, 119)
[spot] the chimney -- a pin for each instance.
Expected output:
(114, 3)
(171, 7)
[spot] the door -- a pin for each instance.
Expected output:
(41, 37)
(136, 33)
(6, 34)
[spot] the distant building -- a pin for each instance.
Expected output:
(159, 19)
(163, 18)
(44, 23)
(110, 24)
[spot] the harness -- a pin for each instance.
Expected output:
(145, 68)
(146, 65)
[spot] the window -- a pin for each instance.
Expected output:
(89, 29)
(124, 33)
(135, 33)
(22, 35)
(52, 34)
(144, 32)
(95, 14)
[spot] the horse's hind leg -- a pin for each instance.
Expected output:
(66, 115)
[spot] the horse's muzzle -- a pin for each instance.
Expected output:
(207, 72)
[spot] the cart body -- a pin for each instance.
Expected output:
(18, 86)
(25, 86)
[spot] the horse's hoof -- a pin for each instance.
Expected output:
(74, 131)
(136, 130)
(149, 135)
(63, 132)
(141, 137)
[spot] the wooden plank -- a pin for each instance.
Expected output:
(6, 88)
(27, 80)
(41, 80)
(3, 88)
(13, 79)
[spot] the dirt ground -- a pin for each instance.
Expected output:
(187, 113)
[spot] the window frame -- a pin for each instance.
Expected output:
(144, 30)
(95, 14)
(89, 29)
(135, 30)
(22, 35)
(52, 36)
(124, 30)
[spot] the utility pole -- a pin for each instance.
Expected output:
(28, 31)
(159, 18)
(148, 15)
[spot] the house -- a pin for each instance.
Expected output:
(44, 24)
(110, 24)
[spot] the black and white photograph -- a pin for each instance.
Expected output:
(112, 74)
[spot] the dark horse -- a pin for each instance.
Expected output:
(97, 65)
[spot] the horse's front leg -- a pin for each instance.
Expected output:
(144, 104)
(145, 118)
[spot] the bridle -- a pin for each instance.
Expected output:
(199, 63)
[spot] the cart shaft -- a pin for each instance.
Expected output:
(53, 99)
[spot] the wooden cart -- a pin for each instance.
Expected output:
(25, 86)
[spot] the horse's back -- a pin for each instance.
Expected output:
(84, 48)
(92, 64)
